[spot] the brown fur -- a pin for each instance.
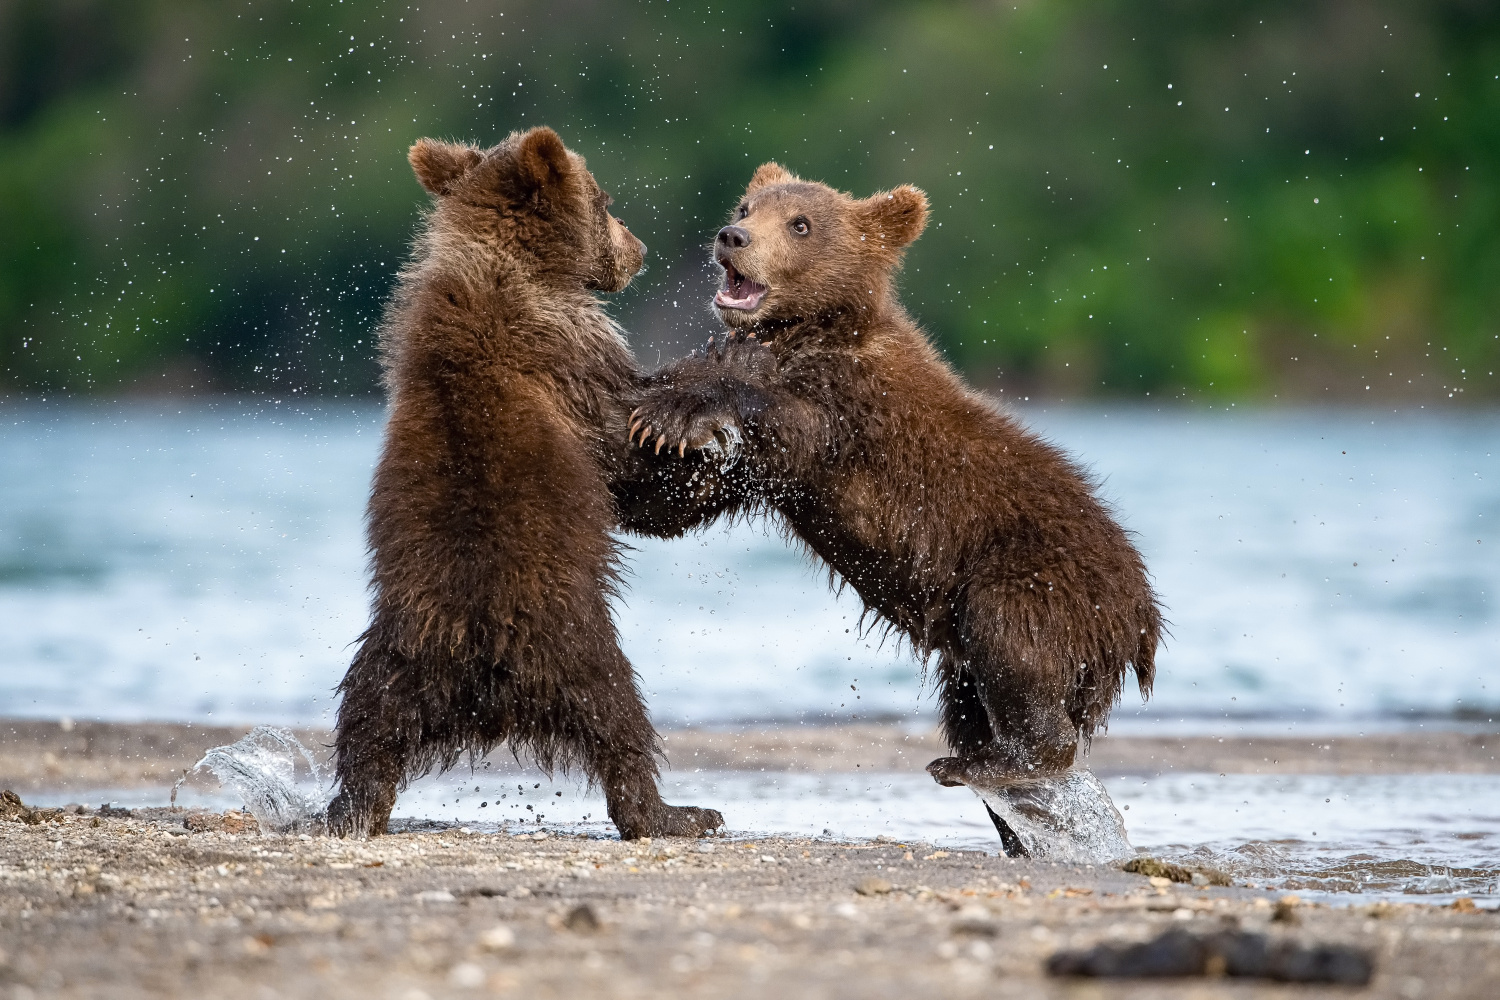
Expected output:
(974, 538)
(492, 506)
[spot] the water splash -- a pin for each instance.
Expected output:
(263, 770)
(1069, 820)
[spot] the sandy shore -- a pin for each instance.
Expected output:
(166, 904)
(51, 756)
(110, 907)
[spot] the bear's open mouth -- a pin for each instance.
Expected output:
(739, 292)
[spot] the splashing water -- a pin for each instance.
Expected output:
(262, 769)
(1069, 819)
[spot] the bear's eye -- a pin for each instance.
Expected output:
(743, 211)
(800, 225)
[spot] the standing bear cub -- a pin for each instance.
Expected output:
(971, 536)
(505, 466)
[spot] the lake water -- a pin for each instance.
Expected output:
(1318, 567)
(1327, 571)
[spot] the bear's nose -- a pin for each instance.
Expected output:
(734, 238)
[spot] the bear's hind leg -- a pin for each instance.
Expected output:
(966, 720)
(588, 710)
(373, 744)
(636, 807)
(622, 760)
(362, 808)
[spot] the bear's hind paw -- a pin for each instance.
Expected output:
(948, 772)
(685, 821)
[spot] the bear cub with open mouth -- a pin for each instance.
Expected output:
(505, 467)
(970, 535)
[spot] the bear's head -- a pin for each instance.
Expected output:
(534, 198)
(795, 249)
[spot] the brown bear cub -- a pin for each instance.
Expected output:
(968, 534)
(491, 510)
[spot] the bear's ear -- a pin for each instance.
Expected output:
(896, 217)
(438, 164)
(767, 174)
(541, 159)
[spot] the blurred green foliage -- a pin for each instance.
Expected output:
(1286, 199)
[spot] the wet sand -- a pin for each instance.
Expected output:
(169, 904)
(52, 756)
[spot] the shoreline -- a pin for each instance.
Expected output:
(49, 756)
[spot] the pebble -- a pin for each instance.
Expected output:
(582, 919)
(872, 885)
(466, 975)
(497, 938)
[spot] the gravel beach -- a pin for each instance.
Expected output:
(167, 903)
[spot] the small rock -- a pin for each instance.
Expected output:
(1286, 910)
(582, 919)
(1159, 881)
(498, 938)
(1155, 868)
(539, 835)
(466, 975)
(435, 896)
(11, 806)
(975, 926)
(705, 848)
(872, 885)
(258, 944)
(231, 821)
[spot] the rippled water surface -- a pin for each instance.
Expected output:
(209, 561)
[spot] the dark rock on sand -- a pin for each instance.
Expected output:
(1178, 953)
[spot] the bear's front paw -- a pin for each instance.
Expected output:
(684, 424)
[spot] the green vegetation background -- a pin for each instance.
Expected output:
(1289, 199)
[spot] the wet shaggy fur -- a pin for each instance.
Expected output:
(505, 466)
(974, 538)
